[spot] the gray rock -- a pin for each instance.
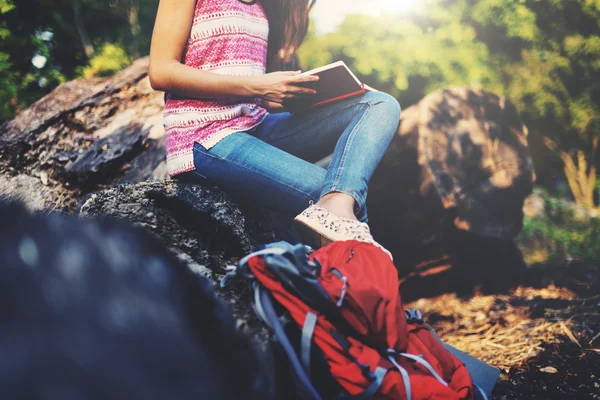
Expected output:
(66, 156)
(460, 158)
(105, 157)
(149, 165)
(80, 106)
(27, 190)
(200, 221)
(458, 168)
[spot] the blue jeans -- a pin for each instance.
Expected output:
(272, 165)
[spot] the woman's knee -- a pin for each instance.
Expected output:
(384, 112)
(384, 102)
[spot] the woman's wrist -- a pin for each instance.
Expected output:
(252, 85)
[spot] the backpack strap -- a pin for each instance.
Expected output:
(370, 391)
(481, 372)
(264, 306)
(257, 305)
(376, 377)
(392, 354)
(305, 388)
(403, 372)
(307, 333)
(299, 252)
(412, 316)
(424, 363)
(298, 275)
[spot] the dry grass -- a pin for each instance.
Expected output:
(506, 330)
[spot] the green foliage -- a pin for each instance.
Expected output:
(562, 231)
(554, 79)
(6, 6)
(552, 75)
(21, 83)
(55, 33)
(110, 59)
(517, 19)
(407, 56)
(6, 76)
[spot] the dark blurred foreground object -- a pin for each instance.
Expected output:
(458, 170)
(99, 310)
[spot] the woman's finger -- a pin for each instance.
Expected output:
(305, 78)
(290, 72)
(294, 89)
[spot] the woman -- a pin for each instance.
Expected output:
(225, 122)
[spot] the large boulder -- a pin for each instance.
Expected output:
(453, 180)
(88, 132)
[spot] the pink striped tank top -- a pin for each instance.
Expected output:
(227, 37)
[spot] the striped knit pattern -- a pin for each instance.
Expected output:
(227, 37)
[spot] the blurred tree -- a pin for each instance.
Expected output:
(27, 57)
(45, 42)
(87, 44)
(109, 60)
(409, 54)
(550, 53)
(130, 10)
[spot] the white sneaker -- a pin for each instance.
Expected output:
(319, 227)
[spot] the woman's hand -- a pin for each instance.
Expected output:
(276, 87)
(272, 107)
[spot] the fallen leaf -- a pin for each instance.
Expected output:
(549, 370)
(44, 178)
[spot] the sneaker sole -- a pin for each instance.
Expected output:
(314, 234)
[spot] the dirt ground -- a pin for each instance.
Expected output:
(544, 335)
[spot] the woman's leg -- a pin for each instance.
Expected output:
(274, 182)
(273, 165)
(358, 130)
(257, 172)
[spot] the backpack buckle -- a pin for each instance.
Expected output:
(413, 316)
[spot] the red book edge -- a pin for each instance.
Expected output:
(362, 90)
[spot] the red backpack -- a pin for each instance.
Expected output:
(337, 315)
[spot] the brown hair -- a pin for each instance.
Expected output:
(288, 24)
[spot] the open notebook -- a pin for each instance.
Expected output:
(336, 82)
